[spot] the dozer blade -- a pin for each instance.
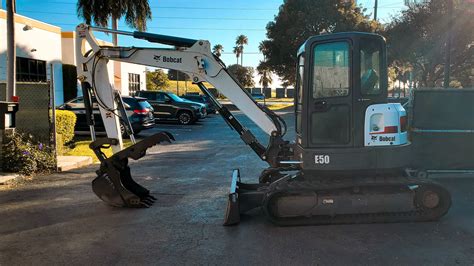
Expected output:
(114, 183)
(242, 198)
(232, 212)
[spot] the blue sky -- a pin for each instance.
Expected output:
(216, 21)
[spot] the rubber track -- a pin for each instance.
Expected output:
(419, 214)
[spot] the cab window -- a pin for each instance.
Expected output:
(331, 70)
(299, 92)
(370, 61)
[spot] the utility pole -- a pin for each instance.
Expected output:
(447, 61)
(11, 51)
(375, 9)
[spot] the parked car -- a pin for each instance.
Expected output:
(139, 111)
(168, 106)
(258, 96)
(201, 99)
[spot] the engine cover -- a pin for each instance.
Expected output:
(385, 125)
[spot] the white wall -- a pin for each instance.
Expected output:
(68, 48)
(135, 69)
(42, 42)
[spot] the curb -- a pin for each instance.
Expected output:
(5, 177)
(66, 163)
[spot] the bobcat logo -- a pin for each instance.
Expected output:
(168, 59)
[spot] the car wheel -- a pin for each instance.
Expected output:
(185, 118)
(122, 130)
(124, 133)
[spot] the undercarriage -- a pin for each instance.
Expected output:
(300, 199)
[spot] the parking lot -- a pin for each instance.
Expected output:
(56, 219)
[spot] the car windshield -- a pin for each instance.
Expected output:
(175, 97)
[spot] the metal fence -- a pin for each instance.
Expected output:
(33, 116)
(443, 129)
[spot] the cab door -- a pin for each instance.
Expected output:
(330, 94)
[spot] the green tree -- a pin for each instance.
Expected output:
(177, 75)
(417, 39)
(263, 47)
(240, 41)
(135, 12)
(297, 20)
(218, 49)
(265, 74)
(156, 80)
(263, 69)
(243, 74)
(237, 52)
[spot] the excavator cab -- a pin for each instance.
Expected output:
(341, 87)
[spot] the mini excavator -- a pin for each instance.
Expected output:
(347, 164)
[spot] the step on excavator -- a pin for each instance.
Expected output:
(346, 165)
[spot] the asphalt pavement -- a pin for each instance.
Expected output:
(56, 219)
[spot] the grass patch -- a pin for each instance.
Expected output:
(276, 107)
(184, 87)
(279, 99)
(81, 148)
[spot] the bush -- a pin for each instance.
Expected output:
(21, 154)
(65, 122)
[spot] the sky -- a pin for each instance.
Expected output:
(220, 22)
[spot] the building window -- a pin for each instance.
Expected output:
(133, 83)
(30, 70)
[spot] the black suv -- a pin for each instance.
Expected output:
(201, 99)
(139, 111)
(168, 106)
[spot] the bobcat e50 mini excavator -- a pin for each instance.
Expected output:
(346, 165)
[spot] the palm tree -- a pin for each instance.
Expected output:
(136, 13)
(237, 52)
(263, 47)
(241, 40)
(218, 49)
(265, 75)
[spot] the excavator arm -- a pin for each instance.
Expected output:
(193, 57)
(114, 183)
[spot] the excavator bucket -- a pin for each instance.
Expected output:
(114, 183)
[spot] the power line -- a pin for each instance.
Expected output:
(175, 28)
(154, 17)
(187, 7)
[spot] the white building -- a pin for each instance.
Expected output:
(38, 51)
(42, 48)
